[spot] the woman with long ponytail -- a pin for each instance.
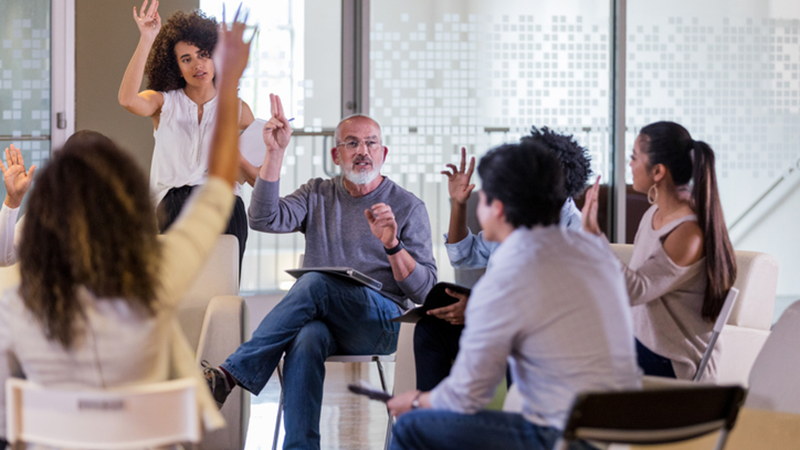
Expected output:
(683, 262)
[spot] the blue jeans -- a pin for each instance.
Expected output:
(321, 315)
(429, 429)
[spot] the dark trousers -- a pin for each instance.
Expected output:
(435, 348)
(172, 204)
(653, 363)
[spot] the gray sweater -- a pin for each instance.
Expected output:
(338, 234)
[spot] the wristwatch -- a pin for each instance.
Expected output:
(395, 249)
(415, 402)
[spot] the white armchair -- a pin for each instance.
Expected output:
(749, 324)
(215, 321)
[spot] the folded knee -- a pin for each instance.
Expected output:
(314, 338)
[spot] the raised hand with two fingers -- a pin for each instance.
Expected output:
(277, 130)
(17, 179)
(458, 178)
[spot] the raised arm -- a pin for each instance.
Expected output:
(460, 188)
(231, 54)
(277, 132)
(145, 103)
(17, 181)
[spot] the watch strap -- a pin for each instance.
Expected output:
(396, 249)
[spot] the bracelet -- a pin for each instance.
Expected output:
(415, 402)
(395, 249)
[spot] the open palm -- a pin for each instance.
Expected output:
(16, 178)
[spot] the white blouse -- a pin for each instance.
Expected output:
(180, 157)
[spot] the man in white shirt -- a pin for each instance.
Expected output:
(572, 333)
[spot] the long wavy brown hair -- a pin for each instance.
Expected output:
(163, 73)
(90, 223)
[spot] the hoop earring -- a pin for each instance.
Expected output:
(651, 197)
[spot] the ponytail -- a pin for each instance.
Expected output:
(720, 259)
(690, 161)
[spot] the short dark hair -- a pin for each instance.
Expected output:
(163, 73)
(528, 179)
(575, 160)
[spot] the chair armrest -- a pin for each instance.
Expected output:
(225, 328)
(740, 348)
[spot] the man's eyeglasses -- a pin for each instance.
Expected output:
(355, 144)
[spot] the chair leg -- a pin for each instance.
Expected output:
(383, 382)
(388, 442)
(723, 439)
(280, 410)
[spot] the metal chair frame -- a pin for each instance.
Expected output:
(377, 359)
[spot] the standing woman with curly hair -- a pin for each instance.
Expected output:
(181, 100)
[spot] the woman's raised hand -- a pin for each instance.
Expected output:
(232, 52)
(17, 180)
(277, 130)
(589, 211)
(148, 20)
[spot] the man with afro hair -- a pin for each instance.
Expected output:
(436, 336)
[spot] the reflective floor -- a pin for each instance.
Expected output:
(348, 422)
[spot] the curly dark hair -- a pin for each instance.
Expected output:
(163, 73)
(575, 160)
(90, 224)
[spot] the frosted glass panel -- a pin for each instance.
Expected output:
(25, 68)
(447, 74)
(728, 72)
(25, 80)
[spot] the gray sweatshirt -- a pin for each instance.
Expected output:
(337, 231)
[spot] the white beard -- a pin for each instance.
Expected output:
(359, 177)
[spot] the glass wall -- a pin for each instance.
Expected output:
(452, 74)
(728, 72)
(25, 79)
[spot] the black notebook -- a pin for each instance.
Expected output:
(436, 298)
(344, 272)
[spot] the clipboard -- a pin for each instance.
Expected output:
(436, 298)
(344, 272)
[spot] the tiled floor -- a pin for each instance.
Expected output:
(348, 422)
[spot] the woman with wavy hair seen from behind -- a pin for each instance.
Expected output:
(99, 292)
(683, 263)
